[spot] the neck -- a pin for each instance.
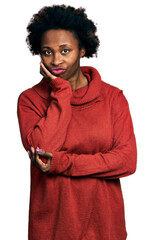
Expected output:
(79, 81)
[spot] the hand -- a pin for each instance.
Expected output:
(37, 162)
(44, 71)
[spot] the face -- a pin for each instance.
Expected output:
(60, 53)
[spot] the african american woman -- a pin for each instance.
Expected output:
(78, 132)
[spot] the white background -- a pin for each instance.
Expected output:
(125, 59)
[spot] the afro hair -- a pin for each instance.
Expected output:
(66, 18)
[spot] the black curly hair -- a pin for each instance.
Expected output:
(67, 18)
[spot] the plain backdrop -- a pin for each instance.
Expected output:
(125, 60)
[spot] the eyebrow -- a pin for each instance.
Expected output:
(63, 45)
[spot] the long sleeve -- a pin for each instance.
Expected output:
(46, 130)
(90, 134)
(118, 162)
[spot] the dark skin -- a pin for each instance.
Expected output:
(59, 48)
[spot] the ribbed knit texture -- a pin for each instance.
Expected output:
(90, 133)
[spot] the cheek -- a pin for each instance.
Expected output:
(74, 60)
(45, 60)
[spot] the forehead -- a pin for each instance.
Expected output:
(58, 37)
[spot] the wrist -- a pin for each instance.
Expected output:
(59, 83)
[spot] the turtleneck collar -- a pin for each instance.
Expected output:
(80, 96)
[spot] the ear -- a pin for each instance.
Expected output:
(82, 52)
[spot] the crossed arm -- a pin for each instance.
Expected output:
(35, 153)
(118, 162)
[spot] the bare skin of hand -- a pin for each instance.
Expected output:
(44, 71)
(37, 162)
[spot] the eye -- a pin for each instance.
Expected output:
(65, 51)
(47, 52)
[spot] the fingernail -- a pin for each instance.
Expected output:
(38, 150)
(32, 149)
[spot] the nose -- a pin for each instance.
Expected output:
(57, 59)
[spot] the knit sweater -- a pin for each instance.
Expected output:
(90, 134)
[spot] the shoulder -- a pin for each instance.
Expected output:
(34, 94)
(109, 91)
(27, 95)
(113, 95)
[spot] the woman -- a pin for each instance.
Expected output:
(78, 132)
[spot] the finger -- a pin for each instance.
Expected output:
(33, 156)
(34, 161)
(38, 161)
(46, 71)
(44, 167)
(32, 149)
(43, 153)
(48, 162)
(29, 153)
(43, 73)
(30, 156)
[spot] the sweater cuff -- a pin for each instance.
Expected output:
(59, 83)
(59, 163)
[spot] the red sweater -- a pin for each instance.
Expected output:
(90, 133)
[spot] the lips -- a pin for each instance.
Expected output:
(57, 71)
